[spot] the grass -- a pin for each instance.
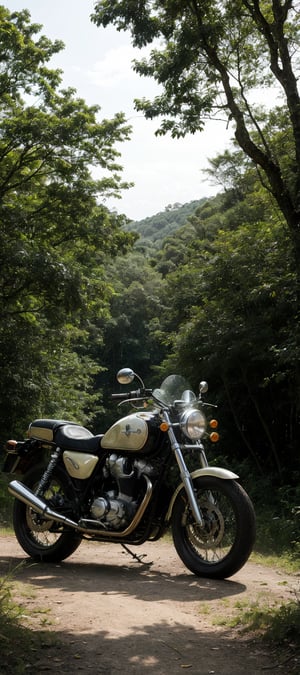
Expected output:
(277, 624)
(283, 561)
(19, 643)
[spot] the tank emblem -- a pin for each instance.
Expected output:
(128, 430)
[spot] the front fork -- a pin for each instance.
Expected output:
(184, 472)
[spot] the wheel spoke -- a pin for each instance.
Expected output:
(42, 529)
(214, 539)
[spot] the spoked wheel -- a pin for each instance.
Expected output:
(41, 538)
(220, 547)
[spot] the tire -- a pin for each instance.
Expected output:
(45, 540)
(222, 546)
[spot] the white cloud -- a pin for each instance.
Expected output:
(115, 67)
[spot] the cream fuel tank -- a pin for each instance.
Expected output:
(132, 434)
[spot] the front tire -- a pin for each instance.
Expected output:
(222, 546)
(43, 539)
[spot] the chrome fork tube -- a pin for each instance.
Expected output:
(184, 472)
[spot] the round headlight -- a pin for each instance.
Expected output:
(193, 424)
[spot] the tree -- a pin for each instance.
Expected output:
(230, 319)
(213, 55)
(55, 233)
(210, 58)
(130, 333)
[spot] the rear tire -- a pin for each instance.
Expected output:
(42, 539)
(222, 546)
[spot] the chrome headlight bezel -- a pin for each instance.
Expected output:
(193, 424)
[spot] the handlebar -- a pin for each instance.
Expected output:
(138, 393)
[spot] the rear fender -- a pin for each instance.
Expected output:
(215, 471)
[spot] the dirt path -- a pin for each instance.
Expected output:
(113, 615)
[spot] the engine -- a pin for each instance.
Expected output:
(116, 507)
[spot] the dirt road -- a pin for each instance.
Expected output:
(113, 615)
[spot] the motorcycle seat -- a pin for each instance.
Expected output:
(65, 434)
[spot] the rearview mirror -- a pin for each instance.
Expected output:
(125, 376)
(203, 387)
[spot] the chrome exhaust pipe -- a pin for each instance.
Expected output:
(22, 492)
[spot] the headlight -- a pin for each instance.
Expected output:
(193, 424)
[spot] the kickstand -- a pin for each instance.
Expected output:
(137, 558)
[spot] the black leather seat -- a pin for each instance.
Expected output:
(65, 434)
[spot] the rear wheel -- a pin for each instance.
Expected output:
(220, 547)
(41, 538)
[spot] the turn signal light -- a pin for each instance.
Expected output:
(214, 424)
(164, 426)
(214, 437)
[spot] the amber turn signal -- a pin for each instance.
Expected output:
(214, 437)
(164, 426)
(214, 424)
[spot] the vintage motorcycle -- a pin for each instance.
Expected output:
(122, 486)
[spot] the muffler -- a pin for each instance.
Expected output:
(90, 527)
(22, 492)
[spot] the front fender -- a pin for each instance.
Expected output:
(215, 471)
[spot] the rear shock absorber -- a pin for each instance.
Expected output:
(46, 477)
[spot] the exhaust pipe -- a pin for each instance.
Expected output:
(22, 492)
(25, 495)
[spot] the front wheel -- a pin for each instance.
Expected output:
(220, 547)
(43, 539)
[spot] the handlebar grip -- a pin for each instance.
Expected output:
(138, 393)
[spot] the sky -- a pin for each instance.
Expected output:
(97, 62)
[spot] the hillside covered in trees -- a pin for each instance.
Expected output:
(154, 229)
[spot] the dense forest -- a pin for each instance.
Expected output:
(208, 288)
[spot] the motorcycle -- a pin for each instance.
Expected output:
(123, 486)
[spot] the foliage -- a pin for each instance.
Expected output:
(237, 320)
(129, 335)
(277, 513)
(278, 625)
(54, 232)
(154, 229)
(284, 624)
(232, 320)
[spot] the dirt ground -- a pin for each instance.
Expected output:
(113, 615)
